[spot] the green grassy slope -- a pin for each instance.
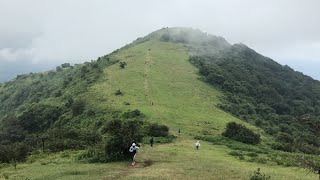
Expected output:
(163, 76)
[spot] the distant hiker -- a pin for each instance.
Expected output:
(179, 131)
(133, 151)
(197, 144)
(151, 142)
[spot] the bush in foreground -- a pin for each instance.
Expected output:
(257, 175)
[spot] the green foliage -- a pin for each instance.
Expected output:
(120, 140)
(157, 130)
(240, 133)
(122, 65)
(264, 155)
(13, 152)
(198, 42)
(34, 105)
(118, 93)
(235, 145)
(63, 138)
(132, 114)
(262, 92)
(258, 175)
(310, 164)
(165, 37)
(59, 68)
(65, 65)
(33, 88)
(121, 133)
(11, 131)
(237, 154)
(170, 60)
(78, 107)
(39, 117)
(284, 142)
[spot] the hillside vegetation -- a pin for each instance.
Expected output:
(84, 110)
(285, 103)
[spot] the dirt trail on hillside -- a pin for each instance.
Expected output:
(147, 65)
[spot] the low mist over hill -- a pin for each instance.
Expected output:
(177, 85)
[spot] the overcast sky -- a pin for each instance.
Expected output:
(43, 34)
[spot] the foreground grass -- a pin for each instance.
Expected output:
(178, 160)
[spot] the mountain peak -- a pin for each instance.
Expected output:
(197, 41)
(190, 35)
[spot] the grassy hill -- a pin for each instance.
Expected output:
(160, 81)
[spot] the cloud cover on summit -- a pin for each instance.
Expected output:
(44, 34)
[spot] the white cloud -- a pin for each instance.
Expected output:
(13, 55)
(59, 31)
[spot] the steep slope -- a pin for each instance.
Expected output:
(160, 81)
(283, 102)
(163, 76)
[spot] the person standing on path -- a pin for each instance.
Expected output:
(133, 151)
(197, 144)
(151, 141)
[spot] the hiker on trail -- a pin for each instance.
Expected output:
(197, 144)
(133, 151)
(151, 142)
(179, 132)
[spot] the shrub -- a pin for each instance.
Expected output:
(283, 147)
(122, 134)
(39, 117)
(14, 152)
(257, 175)
(58, 68)
(65, 65)
(157, 130)
(118, 93)
(237, 154)
(284, 138)
(122, 65)
(252, 154)
(284, 142)
(77, 107)
(132, 114)
(165, 37)
(240, 133)
(60, 139)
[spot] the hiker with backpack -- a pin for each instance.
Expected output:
(133, 151)
(197, 144)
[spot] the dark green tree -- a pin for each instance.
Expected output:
(240, 133)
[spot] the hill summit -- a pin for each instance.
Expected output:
(178, 85)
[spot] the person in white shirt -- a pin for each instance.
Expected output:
(133, 151)
(197, 144)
